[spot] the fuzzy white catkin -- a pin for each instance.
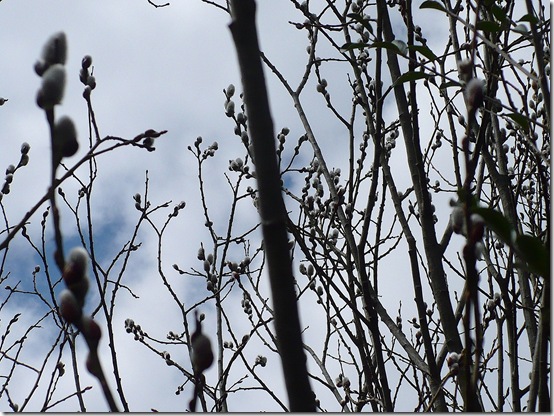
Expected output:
(65, 137)
(230, 90)
(474, 92)
(55, 49)
(75, 274)
(69, 306)
(78, 257)
(457, 219)
(53, 86)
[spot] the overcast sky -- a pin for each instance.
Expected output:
(155, 68)
(161, 69)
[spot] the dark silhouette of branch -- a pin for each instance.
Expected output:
(272, 208)
(158, 5)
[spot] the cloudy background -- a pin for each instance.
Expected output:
(162, 69)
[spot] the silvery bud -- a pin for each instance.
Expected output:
(69, 309)
(91, 81)
(65, 137)
(78, 261)
(346, 382)
(24, 160)
(465, 70)
(86, 92)
(52, 88)
(457, 220)
(230, 91)
(83, 75)
(25, 147)
(61, 368)
(261, 360)
(55, 49)
(453, 358)
(40, 67)
(86, 62)
(75, 274)
(474, 93)
(454, 369)
(201, 255)
(230, 108)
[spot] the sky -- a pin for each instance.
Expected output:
(162, 69)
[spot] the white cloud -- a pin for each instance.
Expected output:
(166, 69)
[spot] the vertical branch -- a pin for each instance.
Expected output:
(432, 250)
(272, 208)
(500, 378)
(58, 254)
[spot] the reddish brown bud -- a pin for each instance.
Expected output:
(91, 331)
(93, 364)
(70, 309)
(75, 274)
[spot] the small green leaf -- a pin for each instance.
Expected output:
(349, 46)
(488, 26)
(401, 45)
(529, 18)
(424, 50)
(521, 28)
(410, 76)
(498, 13)
(385, 45)
(449, 84)
(535, 254)
(519, 119)
(432, 5)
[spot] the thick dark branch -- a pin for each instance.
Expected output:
(271, 208)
